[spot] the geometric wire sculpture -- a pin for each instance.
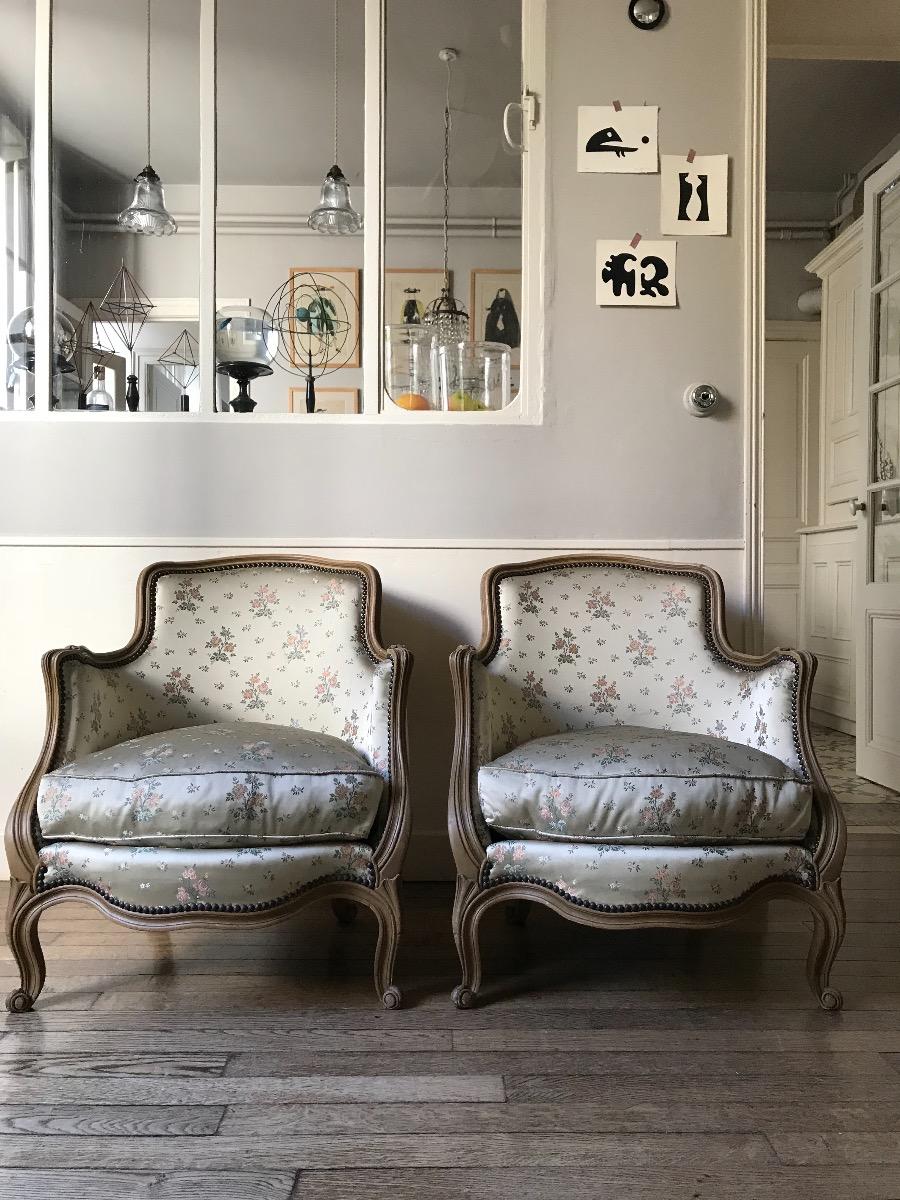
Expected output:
(180, 363)
(127, 305)
(180, 360)
(316, 318)
(92, 345)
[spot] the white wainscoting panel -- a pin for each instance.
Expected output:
(60, 594)
(827, 623)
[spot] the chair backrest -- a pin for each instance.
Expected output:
(577, 644)
(289, 641)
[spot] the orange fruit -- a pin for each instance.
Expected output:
(412, 401)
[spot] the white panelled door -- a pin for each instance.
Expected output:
(878, 645)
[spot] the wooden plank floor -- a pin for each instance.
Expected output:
(650, 1066)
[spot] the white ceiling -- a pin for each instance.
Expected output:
(825, 118)
(275, 88)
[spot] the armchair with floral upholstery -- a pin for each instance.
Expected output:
(243, 755)
(618, 762)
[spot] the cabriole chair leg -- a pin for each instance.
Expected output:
(386, 907)
(22, 917)
(829, 922)
(466, 918)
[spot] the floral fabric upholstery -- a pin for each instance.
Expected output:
(282, 644)
(625, 783)
(234, 783)
(591, 646)
(647, 877)
(175, 878)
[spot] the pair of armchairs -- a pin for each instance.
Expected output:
(245, 755)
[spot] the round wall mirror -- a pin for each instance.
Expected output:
(647, 14)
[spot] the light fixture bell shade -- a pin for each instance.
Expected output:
(335, 213)
(147, 213)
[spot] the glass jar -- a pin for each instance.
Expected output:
(410, 367)
(474, 376)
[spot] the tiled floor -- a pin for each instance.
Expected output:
(866, 804)
(646, 1065)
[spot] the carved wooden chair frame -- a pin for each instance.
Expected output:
(474, 897)
(390, 833)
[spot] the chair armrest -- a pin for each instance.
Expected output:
(473, 745)
(386, 748)
(774, 697)
(86, 711)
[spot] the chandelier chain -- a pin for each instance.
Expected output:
(448, 125)
(148, 82)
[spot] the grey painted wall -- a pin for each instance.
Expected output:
(617, 455)
(787, 277)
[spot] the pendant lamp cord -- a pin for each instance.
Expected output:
(448, 124)
(148, 83)
(335, 82)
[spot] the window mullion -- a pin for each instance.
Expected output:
(42, 181)
(373, 192)
(208, 168)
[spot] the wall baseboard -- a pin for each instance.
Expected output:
(819, 716)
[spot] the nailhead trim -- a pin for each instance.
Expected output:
(486, 883)
(707, 627)
(162, 910)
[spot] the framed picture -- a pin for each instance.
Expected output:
(328, 400)
(338, 307)
(409, 291)
(495, 308)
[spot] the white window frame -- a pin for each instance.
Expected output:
(526, 408)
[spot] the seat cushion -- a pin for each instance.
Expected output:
(223, 785)
(646, 877)
(175, 877)
(625, 783)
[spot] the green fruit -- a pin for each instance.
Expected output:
(464, 402)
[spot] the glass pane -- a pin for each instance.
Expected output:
(887, 435)
(889, 231)
(17, 281)
(888, 315)
(485, 185)
(99, 147)
(293, 293)
(886, 536)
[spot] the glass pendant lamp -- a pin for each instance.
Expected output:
(147, 212)
(446, 316)
(335, 214)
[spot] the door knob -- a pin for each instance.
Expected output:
(857, 505)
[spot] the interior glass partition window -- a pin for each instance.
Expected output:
(290, 86)
(128, 288)
(16, 228)
(463, 59)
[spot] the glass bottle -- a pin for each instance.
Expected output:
(98, 398)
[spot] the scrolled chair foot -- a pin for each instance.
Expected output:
(462, 996)
(19, 1001)
(392, 998)
(831, 1000)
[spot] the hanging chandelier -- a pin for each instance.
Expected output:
(335, 213)
(147, 212)
(446, 315)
